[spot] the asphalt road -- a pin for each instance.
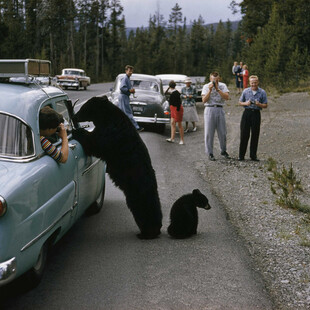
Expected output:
(100, 264)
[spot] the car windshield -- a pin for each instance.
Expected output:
(145, 85)
(72, 72)
(166, 82)
(15, 137)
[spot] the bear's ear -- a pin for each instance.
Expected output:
(196, 192)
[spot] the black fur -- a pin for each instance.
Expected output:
(116, 141)
(184, 215)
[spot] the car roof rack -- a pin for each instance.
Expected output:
(24, 68)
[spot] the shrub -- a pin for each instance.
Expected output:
(286, 185)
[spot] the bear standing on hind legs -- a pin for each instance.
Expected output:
(115, 140)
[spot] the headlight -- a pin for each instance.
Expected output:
(3, 206)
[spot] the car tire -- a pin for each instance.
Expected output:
(35, 274)
(96, 206)
(85, 87)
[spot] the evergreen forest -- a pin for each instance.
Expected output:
(273, 39)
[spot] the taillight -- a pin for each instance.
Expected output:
(2, 206)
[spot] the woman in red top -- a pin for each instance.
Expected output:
(245, 74)
(176, 110)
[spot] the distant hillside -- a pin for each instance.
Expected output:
(234, 26)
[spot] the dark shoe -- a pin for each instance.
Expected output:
(241, 158)
(225, 154)
(211, 157)
(140, 129)
(254, 159)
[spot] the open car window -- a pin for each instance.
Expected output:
(62, 109)
(16, 139)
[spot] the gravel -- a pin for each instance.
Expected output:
(277, 238)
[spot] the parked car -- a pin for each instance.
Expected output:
(148, 104)
(74, 78)
(179, 79)
(39, 198)
(198, 82)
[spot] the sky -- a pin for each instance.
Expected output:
(138, 12)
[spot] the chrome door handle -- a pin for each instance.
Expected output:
(72, 146)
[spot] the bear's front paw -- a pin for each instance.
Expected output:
(149, 234)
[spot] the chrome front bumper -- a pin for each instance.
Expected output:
(68, 84)
(152, 120)
(7, 271)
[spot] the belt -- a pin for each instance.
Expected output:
(216, 105)
(252, 110)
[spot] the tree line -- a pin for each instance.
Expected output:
(272, 39)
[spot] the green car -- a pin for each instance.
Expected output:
(148, 103)
(40, 199)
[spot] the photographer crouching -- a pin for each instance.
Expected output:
(253, 99)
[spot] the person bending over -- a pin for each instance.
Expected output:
(51, 123)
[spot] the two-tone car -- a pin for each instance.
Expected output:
(148, 103)
(73, 78)
(198, 82)
(179, 80)
(40, 199)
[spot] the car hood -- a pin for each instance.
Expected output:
(146, 97)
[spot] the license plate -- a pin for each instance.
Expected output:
(137, 109)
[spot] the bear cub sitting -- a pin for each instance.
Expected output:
(184, 214)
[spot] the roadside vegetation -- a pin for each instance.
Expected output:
(273, 39)
(285, 184)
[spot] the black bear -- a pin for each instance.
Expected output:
(115, 140)
(184, 214)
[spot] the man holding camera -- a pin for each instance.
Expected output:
(51, 123)
(253, 99)
(214, 95)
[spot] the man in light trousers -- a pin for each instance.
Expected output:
(214, 95)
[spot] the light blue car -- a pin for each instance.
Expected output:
(39, 198)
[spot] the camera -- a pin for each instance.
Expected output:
(214, 84)
(58, 129)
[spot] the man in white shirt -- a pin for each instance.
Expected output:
(214, 95)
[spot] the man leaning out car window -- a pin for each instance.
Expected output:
(51, 123)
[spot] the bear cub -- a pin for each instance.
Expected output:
(184, 214)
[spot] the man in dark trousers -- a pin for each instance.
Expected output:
(253, 99)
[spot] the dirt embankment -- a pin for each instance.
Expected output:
(278, 238)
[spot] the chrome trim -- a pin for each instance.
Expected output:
(44, 232)
(153, 120)
(29, 157)
(138, 103)
(91, 166)
(7, 271)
